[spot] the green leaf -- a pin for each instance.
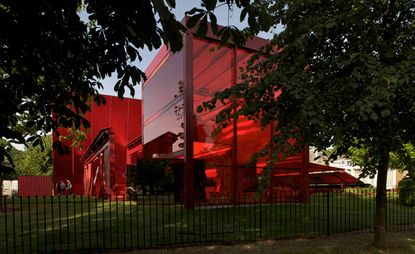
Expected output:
(5, 154)
(193, 20)
(131, 31)
(210, 5)
(86, 123)
(385, 113)
(193, 11)
(171, 3)
(199, 109)
(213, 23)
(36, 142)
(203, 27)
(244, 12)
(225, 35)
(132, 52)
(30, 124)
(161, 9)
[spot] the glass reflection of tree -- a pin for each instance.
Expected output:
(179, 111)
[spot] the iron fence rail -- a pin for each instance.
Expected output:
(78, 223)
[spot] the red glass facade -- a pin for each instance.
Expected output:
(163, 108)
(177, 85)
(212, 72)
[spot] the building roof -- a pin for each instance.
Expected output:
(253, 44)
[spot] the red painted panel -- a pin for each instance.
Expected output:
(133, 153)
(119, 130)
(89, 134)
(101, 118)
(134, 120)
(68, 166)
(35, 185)
(124, 119)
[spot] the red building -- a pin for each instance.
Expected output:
(120, 120)
(177, 84)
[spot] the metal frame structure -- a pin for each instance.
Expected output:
(176, 84)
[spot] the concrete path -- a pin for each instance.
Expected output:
(398, 242)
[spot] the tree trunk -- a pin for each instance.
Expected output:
(380, 216)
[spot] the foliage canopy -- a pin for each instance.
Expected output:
(32, 161)
(340, 74)
(52, 60)
(402, 160)
(407, 192)
(344, 76)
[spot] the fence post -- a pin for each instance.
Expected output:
(5, 224)
(328, 213)
(260, 217)
(386, 210)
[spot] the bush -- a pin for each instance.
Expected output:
(150, 176)
(406, 189)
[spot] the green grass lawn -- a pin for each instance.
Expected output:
(75, 223)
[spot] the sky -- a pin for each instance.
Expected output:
(181, 7)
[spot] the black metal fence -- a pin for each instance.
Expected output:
(79, 223)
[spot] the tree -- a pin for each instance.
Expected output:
(35, 160)
(52, 60)
(341, 74)
(149, 175)
(406, 189)
(7, 165)
(32, 161)
(402, 160)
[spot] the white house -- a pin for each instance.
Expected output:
(394, 176)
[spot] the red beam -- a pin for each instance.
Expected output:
(188, 181)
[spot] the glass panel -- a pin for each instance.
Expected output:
(212, 72)
(160, 90)
(251, 139)
(163, 134)
(163, 110)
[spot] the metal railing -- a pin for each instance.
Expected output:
(79, 223)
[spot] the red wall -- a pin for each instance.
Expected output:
(35, 186)
(124, 119)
